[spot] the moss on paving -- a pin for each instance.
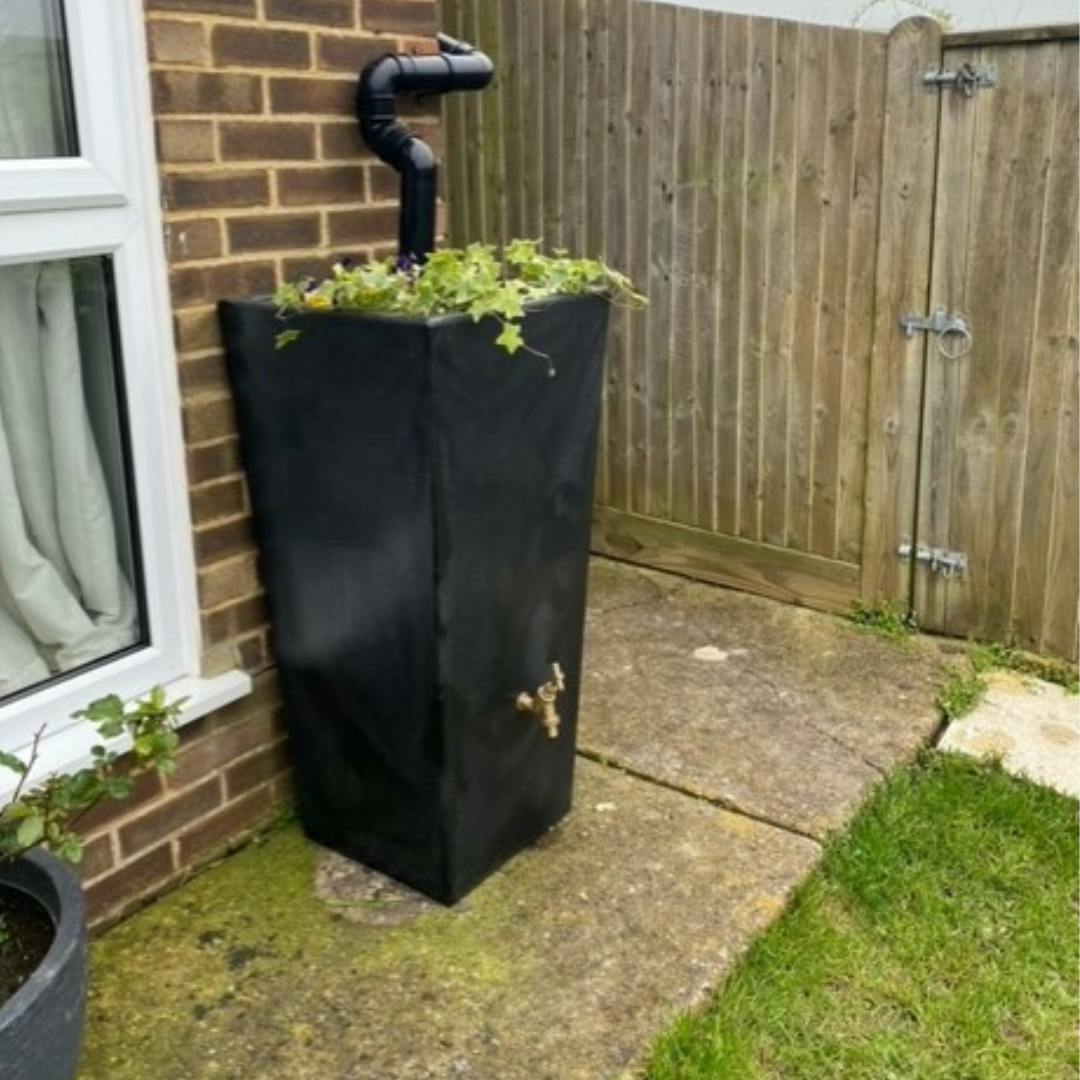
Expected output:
(246, 938)
(936, 941)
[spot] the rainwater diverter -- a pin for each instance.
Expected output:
(457, 66)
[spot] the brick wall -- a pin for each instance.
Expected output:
(263, 178)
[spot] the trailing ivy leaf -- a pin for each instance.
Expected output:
(285, 337)
(510, 338)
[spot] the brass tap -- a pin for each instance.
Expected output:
(542, 703)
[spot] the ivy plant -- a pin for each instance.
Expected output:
(481, 281)
(48, 812)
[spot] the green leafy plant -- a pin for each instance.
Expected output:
(48, 812)
(480, 281)
(888, 619)
(994, 657)
(963, 690)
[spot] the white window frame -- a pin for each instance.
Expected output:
(106, 202)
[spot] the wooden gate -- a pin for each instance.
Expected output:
(998, 464)
(785, 193)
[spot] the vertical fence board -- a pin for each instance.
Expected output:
(832, 317)
(611, 209)
(514, 116)
(638, 256)
(551, 104)
(901, 280)
(728, 354)
(707, 267)
(682, 477)
(811, 137)
(755, 272)
(1051, 403)
(862, 246)
(780, 286)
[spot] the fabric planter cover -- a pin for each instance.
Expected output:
(422, 503)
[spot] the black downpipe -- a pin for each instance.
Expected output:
(458, 66)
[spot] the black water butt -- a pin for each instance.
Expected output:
(421, 502)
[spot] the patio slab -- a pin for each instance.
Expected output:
(779, 712)
(1031, 725)
(561, 967)
(722, 735)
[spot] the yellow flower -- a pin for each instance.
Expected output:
(318, 301)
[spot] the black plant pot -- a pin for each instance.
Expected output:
(41, 1024)
(421, 503)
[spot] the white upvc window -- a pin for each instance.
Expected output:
(97, 576)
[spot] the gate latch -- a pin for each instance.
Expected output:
(967, 78)
(949, 564)
(943, 323)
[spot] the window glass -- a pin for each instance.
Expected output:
(36, 115)
(68, 557)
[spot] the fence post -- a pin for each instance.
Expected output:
(909, 155)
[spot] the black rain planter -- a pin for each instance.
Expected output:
(421, 502)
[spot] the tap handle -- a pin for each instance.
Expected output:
(557, 677)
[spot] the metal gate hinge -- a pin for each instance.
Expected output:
(967, 78)
(948, 564)
(943, 323)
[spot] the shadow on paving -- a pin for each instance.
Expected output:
(565, 964)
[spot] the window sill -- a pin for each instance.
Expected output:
(69, 749)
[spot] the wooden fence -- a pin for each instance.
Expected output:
(785, 193)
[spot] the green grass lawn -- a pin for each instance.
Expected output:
(938, 939)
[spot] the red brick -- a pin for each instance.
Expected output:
(256, 769)
(216, 542)
(203, 373)
(185, 140)
(312, 266)
(312, 12)
(193, 238)
(170, 816)
(195, 330)
(211, 462)
(242, 8)
(315, 186)
(400, 16)
(217, 500)
(97, 857)
(383, 183)
(172, 42)
(202, 284)
(340, 52)
(267, 140)
(310, 94)
(226, 581)
(365, 225)
(274, 233)
(210, 418)
(198, 191)
(197, 91)
(145, 786)
(244, 46)
(223, 828)
(253, 653)
(341, 139)
(220, 748)
(113, 890)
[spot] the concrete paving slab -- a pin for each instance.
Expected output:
(1031, 725)
(783, 713)
(563, 966)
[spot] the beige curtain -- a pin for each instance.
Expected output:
(64, 599)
